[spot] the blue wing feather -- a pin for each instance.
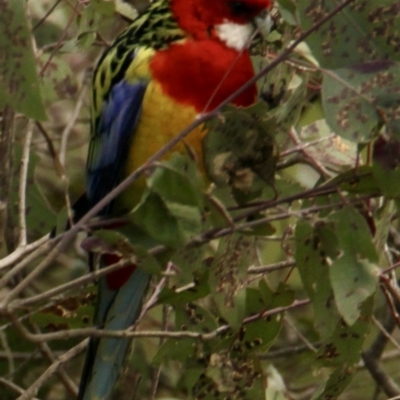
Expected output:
(109, 146)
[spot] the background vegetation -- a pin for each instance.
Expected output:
(276, 282)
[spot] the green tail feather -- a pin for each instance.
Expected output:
(105, 359)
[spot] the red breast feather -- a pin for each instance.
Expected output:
(203, 73)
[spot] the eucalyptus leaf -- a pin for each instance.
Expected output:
(19, 83)
(358, 99)
(362, 31)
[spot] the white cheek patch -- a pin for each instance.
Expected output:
(234, 35)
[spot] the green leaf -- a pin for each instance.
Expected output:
(154, 218)
(383, 225)
(353, 274)
(257, 336)
(332, 151)
(353, 281)
(266, 229)
(230, 378)
(178, 181)
(260, 334)
(314, 243)
(126, 10)
(240, 151)
(190, 260)
(90, 19)
(218, 203)
(111, 241)
(358, 180)
(337, 382)
(58, 82)
(287, 9)
(227, 273)
(19, 85)
(354, 234)
(281, 297)
(387, 180)
(70, 313)
(288, 112)
(171, 210)
(198, 289)
(193, 317)
(40, 219)
(355, 98)
(174, 349)
(362, 31)
(342, 351)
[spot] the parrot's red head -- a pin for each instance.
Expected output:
(224, 19)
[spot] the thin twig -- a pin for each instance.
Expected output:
(386, 333)
(59, 169)
(154, 297)
(24, 355)
(94, 332)
(271, 267)
(21, 252)
(315, 163)
(63, 147)
(26, 262)
(61, 372)
(29, 393)
(60, 40)
(87, 278)
(8, 352)
(13, 386)
(71, 122)
(288, 351)
(7, 127)
(373, 354)
(157, 372)
(306, 342)
(23, 178)
(302, 146)
(43, 19)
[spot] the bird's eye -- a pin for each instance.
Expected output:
(239, 7)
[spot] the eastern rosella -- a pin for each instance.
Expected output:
(178, 59)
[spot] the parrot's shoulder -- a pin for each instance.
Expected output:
(129, 56)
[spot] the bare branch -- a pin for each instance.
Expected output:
(23, 183)
(372, 355)
(60, 372)
(6, 141)
(94, 332)
(32, 390)
(22, 252)
(14, 387)
(272, 267)
(26, 262)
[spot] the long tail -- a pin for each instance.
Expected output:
(116, 310)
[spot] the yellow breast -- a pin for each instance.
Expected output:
(162, 119)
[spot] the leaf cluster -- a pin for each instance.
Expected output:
(285, 241)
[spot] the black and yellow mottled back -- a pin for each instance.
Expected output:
(155, 29)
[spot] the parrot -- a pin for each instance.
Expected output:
(176, 60)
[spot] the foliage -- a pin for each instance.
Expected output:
(267, 282)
